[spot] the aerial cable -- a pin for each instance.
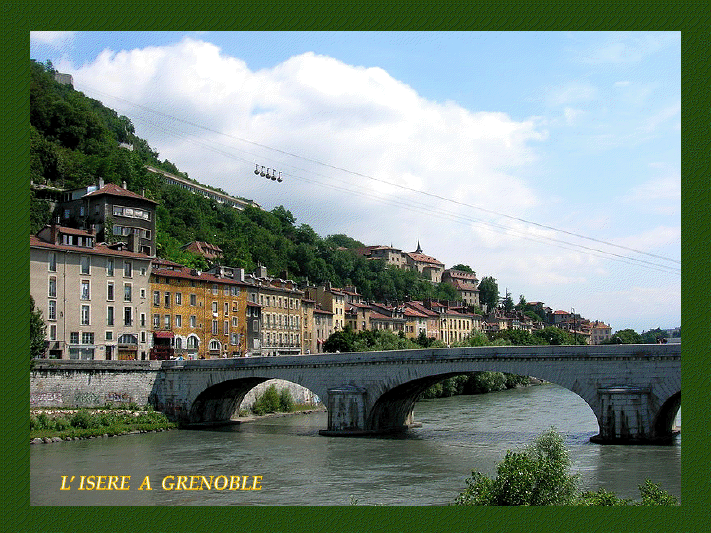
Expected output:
(403, 187)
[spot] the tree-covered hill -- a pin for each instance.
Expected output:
(75, 140)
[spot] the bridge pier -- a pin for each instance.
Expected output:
(628, 417)
(346, 412)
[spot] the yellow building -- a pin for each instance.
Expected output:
(196, 314)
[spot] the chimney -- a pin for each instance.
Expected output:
(239, 274)
(123, 184)
(101, 183)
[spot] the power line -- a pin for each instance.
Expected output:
(412, 205)
(404, 187)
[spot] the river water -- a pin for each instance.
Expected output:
(425, 466)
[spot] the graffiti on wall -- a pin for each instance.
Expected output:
(39, 398)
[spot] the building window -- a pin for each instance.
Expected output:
(143, 320)
(109, 266)
(156, 298)
(156, 321)
(110, 291)
(143, 337)
(127, 316)
(126, 292)
(143, 294)
(52, 310)
(214, 327)
(178, 298)
(178, 343)
(110, 316)
(53, 332)
(85, 315)
(85, 289)
(74, 337)
(214, 288)
(193, 321)
(127, 269)
(214, 307)
(227, 308)
(178, 321)
(166, 321)
(233, 339)
(52, 291)
(193, 300)
(87, 338)
(235, 322)
(84, 264)
(226, 327)
(52, 262)
(192, 343)
(167, 299)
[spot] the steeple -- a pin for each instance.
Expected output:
(419, 248)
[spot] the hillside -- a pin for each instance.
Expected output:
(75, 140)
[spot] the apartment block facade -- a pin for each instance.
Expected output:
(93, 297)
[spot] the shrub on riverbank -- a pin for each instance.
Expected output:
(539, 475)
(88, 423)
(272, 401)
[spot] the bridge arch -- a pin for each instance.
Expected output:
(394, 409)
(663, 423)
(219, 402)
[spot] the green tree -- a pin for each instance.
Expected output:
(463, 268)
(340, 341)
(537, 475)
(653, 336)
(488, 292)
(508, 303)
(555, 336)
(652, 494)
(38, 331)
(626, 336)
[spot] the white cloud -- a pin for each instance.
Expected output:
(55, 39)
(663, 116)
(366, 121)
(661, 194)
(628, 47)
(572, 92)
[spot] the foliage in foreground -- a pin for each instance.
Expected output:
(539, 475)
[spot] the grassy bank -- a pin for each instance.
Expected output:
(74, 424)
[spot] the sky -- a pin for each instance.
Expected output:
(550, 161)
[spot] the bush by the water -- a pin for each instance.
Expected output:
(475, 383)
(87, 422)
(539, 475)
(272, 401)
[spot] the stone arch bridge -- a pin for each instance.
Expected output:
(633, 390)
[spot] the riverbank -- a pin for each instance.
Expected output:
(55, 425)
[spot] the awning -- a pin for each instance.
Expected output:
(163, 334)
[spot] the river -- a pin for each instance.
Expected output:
(425, 466)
